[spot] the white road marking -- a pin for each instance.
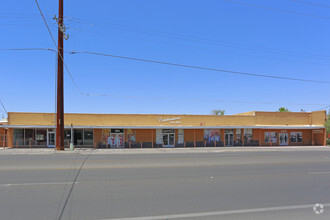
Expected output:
(204, 214)
(321, 172)
(36, 184)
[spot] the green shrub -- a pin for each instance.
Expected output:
(328, 141)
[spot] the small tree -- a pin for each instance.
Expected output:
(283, 109)
(218, 112)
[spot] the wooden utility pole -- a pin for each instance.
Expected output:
(60, 96)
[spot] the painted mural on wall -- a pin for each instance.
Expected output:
(131, 135)
(116, 139)
(212, 135)
(106, 136)
(113, 137)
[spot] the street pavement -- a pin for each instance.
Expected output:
(246, 184)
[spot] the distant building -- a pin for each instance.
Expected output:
(3, 132)
(158, 130)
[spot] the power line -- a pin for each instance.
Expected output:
(27, 49)
(312, 3)
(202, 68)
(262, 50)
(168, 98)
(43, 17)
(201, 40)
(277, 9)
(188, 38)
(172, 64)
(165, 63)
(326, 107)
(72, 79)
(3, 106)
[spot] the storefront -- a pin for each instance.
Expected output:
(151, 131)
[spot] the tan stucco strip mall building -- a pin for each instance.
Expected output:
(155, 130)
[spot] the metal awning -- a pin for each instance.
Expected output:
(171, 127)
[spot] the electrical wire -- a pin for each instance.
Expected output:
(166, 63)
(3, 106)
(187, 38)
(312, 3)
(203, 68)
(204, 40)
(277, 9)
(179, 99)
(318, 57)
(43, 17)
(27, 49)
(66, 67)
(167, 98)
(326, 107)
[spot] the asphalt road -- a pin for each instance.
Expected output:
(226, 185)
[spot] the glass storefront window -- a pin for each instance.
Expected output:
(238, 136)
(78, 137)
(296, 137)
(30, 137)
(41, 137)
(88, 137)
(248, 135)
(22, 137)
(271, 136)
(267, 137)
(19, 137)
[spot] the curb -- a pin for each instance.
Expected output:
(41, 151)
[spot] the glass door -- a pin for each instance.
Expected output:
(168, 137)
(50, 139)
(229, 138)
(116, 140)
(284, 139)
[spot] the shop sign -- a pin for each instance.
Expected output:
(117, 130)
(318, 131)
(173, 120)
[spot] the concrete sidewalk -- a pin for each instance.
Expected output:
(161, 150)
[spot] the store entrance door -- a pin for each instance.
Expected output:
(116, 140)
(50, 139)
(284, 139)
(168, 137)
(229, 138)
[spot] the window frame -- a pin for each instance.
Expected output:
(295, 133)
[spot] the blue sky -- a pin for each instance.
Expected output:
(214, 33)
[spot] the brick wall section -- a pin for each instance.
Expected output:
(189, 135)
(97, 136)
(10, 133)
(144, 135)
